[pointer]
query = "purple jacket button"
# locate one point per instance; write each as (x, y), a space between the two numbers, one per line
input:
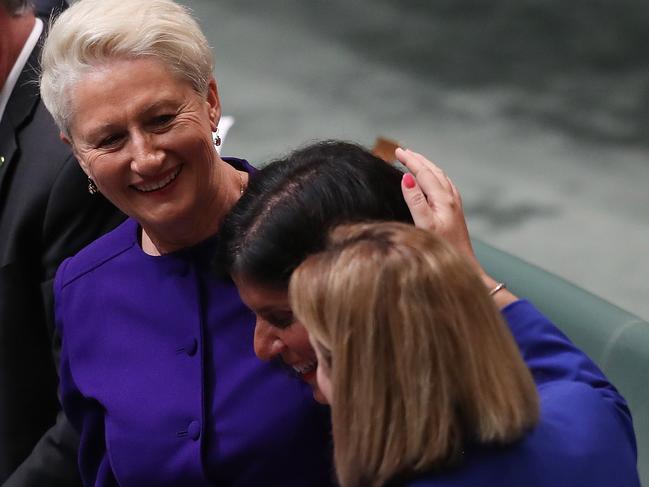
(191, 347)
(194, 430)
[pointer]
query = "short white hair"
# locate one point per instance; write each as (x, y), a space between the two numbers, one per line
(92, 33)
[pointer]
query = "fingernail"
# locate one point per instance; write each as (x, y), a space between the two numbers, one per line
(409, 180)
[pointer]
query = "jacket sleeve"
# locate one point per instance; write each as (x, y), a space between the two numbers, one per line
(53, 460)
(73, 218)
(552, 357)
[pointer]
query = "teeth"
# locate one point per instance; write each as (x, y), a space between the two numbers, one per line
(146, 188)
(306, 368)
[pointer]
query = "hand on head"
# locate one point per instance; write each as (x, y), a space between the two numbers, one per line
(436, 206)
(435, 202)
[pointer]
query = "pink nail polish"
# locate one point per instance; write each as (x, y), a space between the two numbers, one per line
(409, 181)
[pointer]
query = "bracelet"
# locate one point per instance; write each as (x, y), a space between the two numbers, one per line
(499, 286)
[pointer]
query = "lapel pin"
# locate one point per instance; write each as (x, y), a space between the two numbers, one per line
(2, 160)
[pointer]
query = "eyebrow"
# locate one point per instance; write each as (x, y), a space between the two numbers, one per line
(99, 131)
(159, 105)
(271, 309)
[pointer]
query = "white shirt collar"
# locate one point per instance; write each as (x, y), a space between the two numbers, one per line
(23, 57)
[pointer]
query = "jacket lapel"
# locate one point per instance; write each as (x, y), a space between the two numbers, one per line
(20, 110)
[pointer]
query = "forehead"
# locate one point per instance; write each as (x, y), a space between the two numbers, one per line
(123, 88)
(261, 297)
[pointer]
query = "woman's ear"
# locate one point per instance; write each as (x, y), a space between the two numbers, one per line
(68, 141)
(65, 138)
(214, 104)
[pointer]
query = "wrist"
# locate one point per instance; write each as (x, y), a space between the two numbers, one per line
(497, 288)
(497, 291)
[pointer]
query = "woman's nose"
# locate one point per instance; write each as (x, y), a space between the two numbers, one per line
(146, 158)
(268, 345)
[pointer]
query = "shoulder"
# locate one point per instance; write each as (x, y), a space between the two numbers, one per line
(578, 424)
(43, 156)
(578, 441)
(240, 164)
(106, 248)
(579, 404)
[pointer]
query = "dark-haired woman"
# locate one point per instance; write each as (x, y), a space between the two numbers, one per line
(285, 216)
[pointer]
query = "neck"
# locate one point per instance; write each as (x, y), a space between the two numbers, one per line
(14, 32)
(203, 223)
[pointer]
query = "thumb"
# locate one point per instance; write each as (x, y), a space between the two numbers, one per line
(416, 200)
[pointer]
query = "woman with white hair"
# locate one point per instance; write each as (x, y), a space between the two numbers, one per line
(157, 369)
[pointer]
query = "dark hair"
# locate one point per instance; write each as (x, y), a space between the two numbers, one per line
(292, 203)
(16, 7)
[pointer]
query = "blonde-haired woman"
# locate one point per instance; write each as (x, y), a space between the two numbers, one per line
(426, 383)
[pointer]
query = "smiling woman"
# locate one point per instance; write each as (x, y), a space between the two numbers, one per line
(150, 151)
(167, 380)
(275, 337)
(300, 196)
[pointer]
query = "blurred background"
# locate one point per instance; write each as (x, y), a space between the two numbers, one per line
(537, 109)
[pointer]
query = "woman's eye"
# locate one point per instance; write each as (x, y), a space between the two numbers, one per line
(163, 120)
(280, 320)
(110, 141)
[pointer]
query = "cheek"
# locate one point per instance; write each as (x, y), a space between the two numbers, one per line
(296, 338)
(110, 171)
(324, 383)
(199, 154)
(192, 135)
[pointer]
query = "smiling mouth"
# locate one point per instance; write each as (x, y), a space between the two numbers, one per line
(306, 369)
(158, 185)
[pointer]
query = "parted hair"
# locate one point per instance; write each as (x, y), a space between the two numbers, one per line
(292, 202)
(16, 7)
(91, 33)
(422, 364)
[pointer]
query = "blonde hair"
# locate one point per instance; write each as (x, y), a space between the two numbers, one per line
(421, 361)
(94, 32)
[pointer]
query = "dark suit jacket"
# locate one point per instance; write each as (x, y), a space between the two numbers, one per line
(45, 8)
(46, 214)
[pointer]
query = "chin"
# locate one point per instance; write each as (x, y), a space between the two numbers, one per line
(319, 396)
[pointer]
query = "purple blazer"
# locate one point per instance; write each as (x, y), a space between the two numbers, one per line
(159, 376)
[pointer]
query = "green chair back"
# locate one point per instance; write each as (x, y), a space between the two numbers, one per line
(615, 339)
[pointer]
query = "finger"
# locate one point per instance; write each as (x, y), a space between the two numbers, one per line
(432, 179)
(427, 164)
(454, 191)
(435, 192)
(408, 159)
(422, 213)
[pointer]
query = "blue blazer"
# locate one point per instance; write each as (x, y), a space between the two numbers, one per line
(585, 434)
